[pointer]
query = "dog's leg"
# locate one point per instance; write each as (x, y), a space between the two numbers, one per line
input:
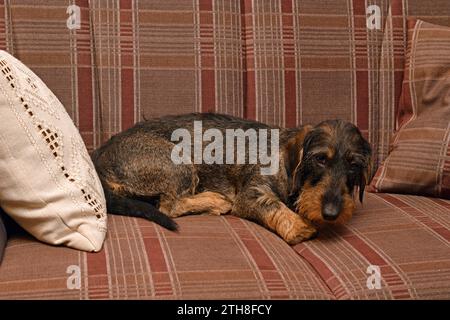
(205, 202)
(288, 225)
(264, 207)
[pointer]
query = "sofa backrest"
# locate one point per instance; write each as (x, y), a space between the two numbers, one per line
(279, 61)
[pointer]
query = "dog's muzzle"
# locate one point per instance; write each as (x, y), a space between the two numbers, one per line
(331, 205)
(330, 212)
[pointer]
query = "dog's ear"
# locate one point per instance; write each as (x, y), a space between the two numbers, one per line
(295, 182)
(294, 148)
(367, 171)
(362, 183)
(294, 153)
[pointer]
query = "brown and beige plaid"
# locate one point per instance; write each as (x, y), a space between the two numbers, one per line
(419, 162)
(284, 62)
(407, 237)
(281, 62)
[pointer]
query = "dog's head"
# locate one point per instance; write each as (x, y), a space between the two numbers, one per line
(333, 163)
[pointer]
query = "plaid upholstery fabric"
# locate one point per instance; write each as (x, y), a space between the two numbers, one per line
(37, 34)
(131, 59)
(407, 237)
(162, 57)
(226, 257)
(276, 61)
(280, 61)
(212, 257)
(393, 60)
(417, 163)
(284, 62)
(307, 62)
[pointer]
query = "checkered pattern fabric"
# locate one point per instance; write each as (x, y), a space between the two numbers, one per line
(419, 161)
(392, 60)
(279, 61)
(211, 258)
(406, 237)
(285, 62)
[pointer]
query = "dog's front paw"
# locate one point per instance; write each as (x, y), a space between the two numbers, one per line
(289, 225)
(300, 232)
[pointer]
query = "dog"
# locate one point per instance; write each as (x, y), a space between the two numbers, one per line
(321, 170)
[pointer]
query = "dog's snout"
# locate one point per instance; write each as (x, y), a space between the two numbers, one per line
(330, 211)
(332, 204)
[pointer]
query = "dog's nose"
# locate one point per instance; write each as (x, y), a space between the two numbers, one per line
(330, 211)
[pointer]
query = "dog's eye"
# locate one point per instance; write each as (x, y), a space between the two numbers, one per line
(321, 159)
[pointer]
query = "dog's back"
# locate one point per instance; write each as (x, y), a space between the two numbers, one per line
(123, 159)
(165, 126)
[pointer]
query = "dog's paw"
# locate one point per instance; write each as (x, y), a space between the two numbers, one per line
(300, 232)
(219, 205)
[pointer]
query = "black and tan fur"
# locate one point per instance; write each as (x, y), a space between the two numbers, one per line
(320, 168)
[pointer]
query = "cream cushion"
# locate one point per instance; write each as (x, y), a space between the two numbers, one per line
(48, 183)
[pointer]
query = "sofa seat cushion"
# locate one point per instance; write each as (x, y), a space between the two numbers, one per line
(407, 237)
(211, 257)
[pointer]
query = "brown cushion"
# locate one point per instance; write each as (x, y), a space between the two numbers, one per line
(211, 257)
(419, 161)
(2, 238)
(407, 237)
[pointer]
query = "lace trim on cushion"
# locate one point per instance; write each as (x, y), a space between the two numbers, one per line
(48, 104)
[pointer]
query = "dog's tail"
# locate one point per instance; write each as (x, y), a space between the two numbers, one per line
(126, 206)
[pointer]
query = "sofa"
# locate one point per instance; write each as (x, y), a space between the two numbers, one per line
(281, 62)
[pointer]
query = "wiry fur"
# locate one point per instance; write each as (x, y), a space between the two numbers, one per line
(141, 180)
